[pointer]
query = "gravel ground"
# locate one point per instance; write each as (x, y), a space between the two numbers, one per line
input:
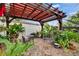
(45, 48)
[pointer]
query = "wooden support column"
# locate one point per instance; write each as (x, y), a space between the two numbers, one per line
(60, 24)
(7, 17)
(7, 23)
(42, 24)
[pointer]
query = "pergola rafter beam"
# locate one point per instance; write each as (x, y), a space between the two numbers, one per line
(34, 10)
(23, 18)
(14, 9)
(42, 16)
(37, 14)
(45, 10)
(49, 19)
(23, 10)
(46, 17)
(52, 11)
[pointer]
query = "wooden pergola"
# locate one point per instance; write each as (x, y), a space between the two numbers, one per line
(40, 12)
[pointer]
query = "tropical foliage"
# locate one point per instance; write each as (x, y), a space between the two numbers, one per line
(63, 38)
(15, 28)
(47, 30)
(14, 31)
(13, 49)
(17, 48)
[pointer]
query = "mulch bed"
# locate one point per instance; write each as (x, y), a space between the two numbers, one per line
(45, 48)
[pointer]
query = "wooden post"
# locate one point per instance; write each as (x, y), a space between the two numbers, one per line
(60, 24)
(7, 23)
(7, 17)
(42, 24)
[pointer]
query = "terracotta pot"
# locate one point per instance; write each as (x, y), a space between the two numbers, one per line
(72, 46)
(14, 37)
(2, 49)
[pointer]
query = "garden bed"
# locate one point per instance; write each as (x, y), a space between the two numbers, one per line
(45, 48)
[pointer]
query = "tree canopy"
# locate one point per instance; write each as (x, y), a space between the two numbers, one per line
(73, 20)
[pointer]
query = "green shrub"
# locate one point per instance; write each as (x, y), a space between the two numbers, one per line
(14, 31)
(47, 30)
(74, 36)
(15, 28)
(63, 38)
(14, 49)
(18, 48)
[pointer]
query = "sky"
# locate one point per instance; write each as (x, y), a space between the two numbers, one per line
(69, 8)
